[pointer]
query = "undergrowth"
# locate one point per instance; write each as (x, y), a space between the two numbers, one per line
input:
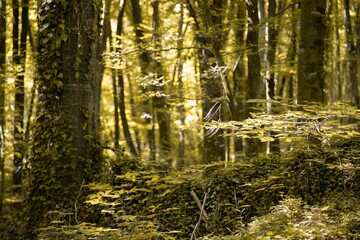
(307, 194)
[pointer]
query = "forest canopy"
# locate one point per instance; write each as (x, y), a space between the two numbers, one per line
(188, 119)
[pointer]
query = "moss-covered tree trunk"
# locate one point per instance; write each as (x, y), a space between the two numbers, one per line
(311, 73)
(65, 151)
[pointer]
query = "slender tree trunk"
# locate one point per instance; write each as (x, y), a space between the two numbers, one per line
(145, 62)
(254, 86)
(2, 99)
(181, 109)
(160, 104)
(338, 57)
(270, 81)
(107, 36)
(19, 101)
(351, 53)
(133, 111)
(213, 141)
(286, 86)
(357, 31)
(272, 43)
(239, 73)
(128, 138)
(311, 73)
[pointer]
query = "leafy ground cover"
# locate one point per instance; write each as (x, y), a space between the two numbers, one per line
(307, 194)
(302, 194)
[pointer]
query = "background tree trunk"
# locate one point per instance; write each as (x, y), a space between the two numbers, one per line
(311, 73)
(145, 60)
(107, 36)
(351, 56)
(160, 104)
(254, 86)
(179, 73)
(19, 101)
(2, 99)
(126, 129)
(213, 142)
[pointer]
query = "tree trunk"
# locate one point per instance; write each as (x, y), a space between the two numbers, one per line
(254, 87)
(2, 99)
(208, 41)
(107, 35)
(239, 73)
(351, 55)
(357, 31)
(179, 73)
(128, 138)
(145, 60)
(65, 150)
(19, 102)
(311, 73)
(160, 104)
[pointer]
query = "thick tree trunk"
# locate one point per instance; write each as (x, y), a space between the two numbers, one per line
(65, 150)
(80, 96)
(311, 73)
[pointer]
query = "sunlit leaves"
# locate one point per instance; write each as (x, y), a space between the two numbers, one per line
(300, 122)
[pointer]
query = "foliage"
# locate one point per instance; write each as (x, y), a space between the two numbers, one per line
(294, 124)
(304, 194)
(294, 219)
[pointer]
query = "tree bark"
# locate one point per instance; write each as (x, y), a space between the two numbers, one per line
(128, 138)
(254, 86)
(145, 60)
(65, 150)
(311, 73)
(208, 41)
(2, 99)
(179, 73)
(351, 55)
(19, 102)
(107, 36)
(160, 104)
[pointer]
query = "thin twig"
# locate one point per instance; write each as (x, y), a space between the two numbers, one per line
(205, 216)
(193, 235)
(76, 200)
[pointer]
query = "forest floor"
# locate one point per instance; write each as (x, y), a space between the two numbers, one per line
(303, 194)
